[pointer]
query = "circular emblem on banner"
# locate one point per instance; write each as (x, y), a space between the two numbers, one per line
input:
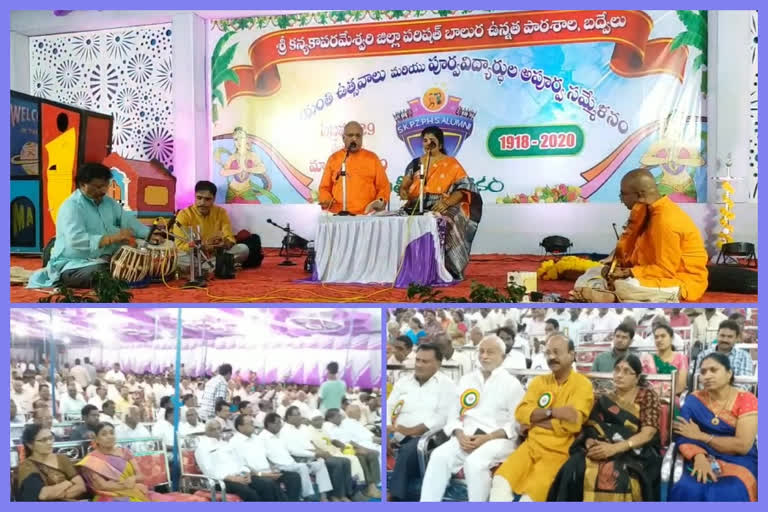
(397, 409)
(469, 399)
(434, 99)
(545, 400)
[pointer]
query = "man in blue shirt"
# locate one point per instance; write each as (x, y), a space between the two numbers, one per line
(90, 228)
(728, 335)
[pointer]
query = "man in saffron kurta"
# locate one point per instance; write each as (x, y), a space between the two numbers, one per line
(367, 183)
(553, 411)
(669, 262)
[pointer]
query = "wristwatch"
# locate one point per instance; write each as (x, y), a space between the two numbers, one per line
(549, 414)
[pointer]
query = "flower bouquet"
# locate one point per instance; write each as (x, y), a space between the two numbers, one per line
(567, 268)
(554, 194)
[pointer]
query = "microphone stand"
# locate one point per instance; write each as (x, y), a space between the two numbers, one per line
(344, 212)
(286, 250)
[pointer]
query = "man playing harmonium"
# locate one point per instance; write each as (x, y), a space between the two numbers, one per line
(90, 228)
(368, 187)
(211, 223)
(660, 256)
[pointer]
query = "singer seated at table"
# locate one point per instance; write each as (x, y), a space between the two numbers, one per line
(367, 183)
(90, 228)
(449, 192)
(213, 223)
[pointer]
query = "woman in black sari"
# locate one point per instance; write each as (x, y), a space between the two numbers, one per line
(617, 456)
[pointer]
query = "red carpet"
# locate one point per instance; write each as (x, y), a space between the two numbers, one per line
(271, 283)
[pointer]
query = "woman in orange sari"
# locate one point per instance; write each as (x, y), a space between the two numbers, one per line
(111, 473)
(449, 192)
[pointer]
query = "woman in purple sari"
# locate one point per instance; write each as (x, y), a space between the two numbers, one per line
(717, 432)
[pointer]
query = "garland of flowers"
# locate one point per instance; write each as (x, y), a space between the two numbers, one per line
(566, 268)
(326, 18)
(726, 216)
(555, 194)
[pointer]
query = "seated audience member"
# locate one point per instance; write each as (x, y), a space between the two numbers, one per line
(163, 429)
(44, 475)
(251, 452)
(265, 407)
(452, 358)
(665, 360)
(403, 353)
(131, 428)
(87, 429)
(219, 460)
(72, 403)
(299, 445)
(481, 427)
(553, 410)
(98, 398)
(419, 403)
(717, 431)
(42, 416)
(224, 415)
(123, 402)
(111, 473)
(514, 353)
(728, 335)
(368, 458)
(192, 424)
(621, 436)
(278, 455)
(108, 414)
(323, 444)
(16, 417)
(623, 336)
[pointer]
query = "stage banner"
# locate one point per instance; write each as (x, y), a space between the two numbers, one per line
(538, 106)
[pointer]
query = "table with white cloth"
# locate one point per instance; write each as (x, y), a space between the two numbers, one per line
(392, 249)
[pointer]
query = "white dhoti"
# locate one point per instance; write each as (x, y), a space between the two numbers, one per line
(626, 290)
(448, 458)
(322, 478)
(358, 475)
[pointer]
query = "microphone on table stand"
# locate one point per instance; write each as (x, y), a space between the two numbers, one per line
(343, 177)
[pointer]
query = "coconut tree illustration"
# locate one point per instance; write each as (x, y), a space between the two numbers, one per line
(694, 36)
(221, 72)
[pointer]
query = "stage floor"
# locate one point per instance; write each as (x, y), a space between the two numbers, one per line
(272, 283)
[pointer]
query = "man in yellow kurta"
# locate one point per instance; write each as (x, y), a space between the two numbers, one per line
(213, 222)
(669, 261)
(367, 183)
(552, 412)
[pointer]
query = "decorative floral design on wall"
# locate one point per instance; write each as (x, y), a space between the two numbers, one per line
(753, 107)
(127, 73)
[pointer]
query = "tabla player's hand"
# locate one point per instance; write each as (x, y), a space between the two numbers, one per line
(157, 238)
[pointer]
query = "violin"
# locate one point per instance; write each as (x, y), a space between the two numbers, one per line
(636, 224)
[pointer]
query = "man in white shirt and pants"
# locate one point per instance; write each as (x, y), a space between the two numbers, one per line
(481, 427)
(250, 449)
(219, 460)
(279, 456)
(131, 428)
(418, 403)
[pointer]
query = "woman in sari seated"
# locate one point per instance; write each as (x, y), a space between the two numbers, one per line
(112, 474)
(666, 360)
(44, 475)
(717, 432)
(617, 456)
(449, 192)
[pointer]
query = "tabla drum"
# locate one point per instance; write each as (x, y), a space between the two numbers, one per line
(162, 259)
(130, 264)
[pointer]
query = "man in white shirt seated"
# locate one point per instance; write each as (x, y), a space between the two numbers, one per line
(279, 456)
(109, 415)
(222, 461)
(418, 403)
(403, 353)
(131, 428)
(163, 429)
(285, 402)
(223, 415)
(301, 402)
(92, 391)
(72, 403)
(22, 397)
(481, 427)
(192, 425)
(300, 446)
(454, 363)
(370, 459)
(16, 418)
(514, 352)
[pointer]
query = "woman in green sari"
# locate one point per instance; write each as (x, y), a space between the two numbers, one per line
(617, 456)
(666, 360)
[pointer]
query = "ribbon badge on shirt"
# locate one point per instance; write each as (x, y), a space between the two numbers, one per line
(397, 409)
(469, 399)
(545, 400)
